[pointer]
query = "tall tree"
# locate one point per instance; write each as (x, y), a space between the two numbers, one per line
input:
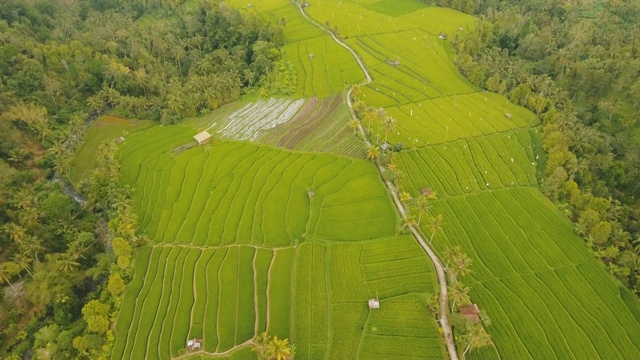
(476, 337)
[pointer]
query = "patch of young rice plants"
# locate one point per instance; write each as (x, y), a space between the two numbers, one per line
(323, 67)
(345, 324)
(196, 199)
(547, 296)
(446, 119)
(470, 165)
(347, 282)
(422, 69)
(146, 261)
(353, 19)
(279, 292)
(213, 294)
(396, 266)
(401, 329)
(303, 300)
(227, 308)
(395, 7)
(251, 122)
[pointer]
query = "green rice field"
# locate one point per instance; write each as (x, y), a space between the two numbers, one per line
(281, 226)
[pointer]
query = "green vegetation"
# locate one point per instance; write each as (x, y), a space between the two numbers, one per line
(304, 241)
(577, 68)
(270, 240)
(323, 67)
(395, 8)
(67, 255)
(104, 129)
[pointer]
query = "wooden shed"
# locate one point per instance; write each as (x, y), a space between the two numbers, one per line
(471, 312)
(203, 137)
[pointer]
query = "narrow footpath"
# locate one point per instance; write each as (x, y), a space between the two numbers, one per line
(442, 277)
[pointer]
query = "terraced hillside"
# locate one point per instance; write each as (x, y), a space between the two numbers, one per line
(546, 294)
(249, 238)
(323, 67)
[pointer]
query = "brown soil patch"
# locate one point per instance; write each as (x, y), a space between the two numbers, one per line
(307, 123)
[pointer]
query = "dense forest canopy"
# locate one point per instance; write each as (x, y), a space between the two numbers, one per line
(576, 64)
(62, 63)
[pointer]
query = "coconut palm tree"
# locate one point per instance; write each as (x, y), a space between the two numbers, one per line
(435, 226)
(389, 125)
(408, 222)
(356, 91)
(405, 197)
(32, 246)
(461, 265)
(7, 271)
(67, 262)
(476, 337)
(353, 124)
(16, 232)
(373, 152)
(23, 262)
(458, 293)
(279, 349)
(421, 205)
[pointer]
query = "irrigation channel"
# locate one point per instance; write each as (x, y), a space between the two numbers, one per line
(442, 277)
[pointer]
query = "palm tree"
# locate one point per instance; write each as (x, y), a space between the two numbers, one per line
(356, 91)
(353, 124)
(7, 271)
(23, 262)
(24, 198)
(405, 197)
(461, 265)
(435, 226)
(408, 221)
(373, 152)
(477, 337)
(279, 349)
(16, 232)
(421, 204)
(389, 125)
(458, 293)
(32, 246)
(67, 262)
(260, 345)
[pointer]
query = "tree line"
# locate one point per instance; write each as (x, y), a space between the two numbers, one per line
(575, 64)
(64, 264)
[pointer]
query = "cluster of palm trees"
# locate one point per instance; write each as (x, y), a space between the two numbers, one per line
(458, 263)
(269, 348)
(379, 116)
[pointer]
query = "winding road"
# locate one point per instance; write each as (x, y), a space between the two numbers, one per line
(442, 277)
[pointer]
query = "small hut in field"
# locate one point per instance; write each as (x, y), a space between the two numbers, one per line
(471, 312)
(374, 304)
(194, 344)
(203, 137)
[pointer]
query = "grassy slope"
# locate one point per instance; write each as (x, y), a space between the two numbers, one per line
(103, 129)
(548, 297)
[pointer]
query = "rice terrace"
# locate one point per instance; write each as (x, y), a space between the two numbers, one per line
(386, 209)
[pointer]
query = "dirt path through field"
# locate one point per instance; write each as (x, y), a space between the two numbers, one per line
(442, 277)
